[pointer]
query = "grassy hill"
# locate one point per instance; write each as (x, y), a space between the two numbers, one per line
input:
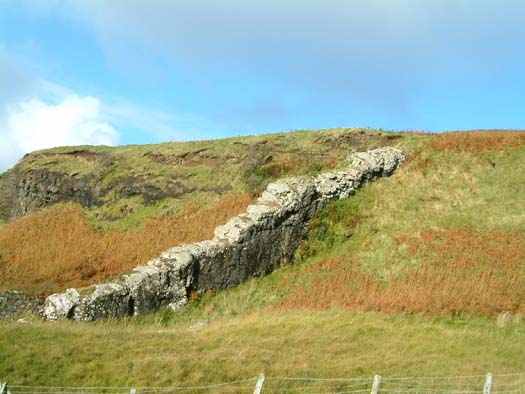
(409, 277)
(79, 215)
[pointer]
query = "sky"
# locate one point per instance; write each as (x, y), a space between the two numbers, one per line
(145, 71)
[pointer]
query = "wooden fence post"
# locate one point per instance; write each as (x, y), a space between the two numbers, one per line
(487, 387)
(133, 390)
(376, 384)
(3, 388)
(258, 385)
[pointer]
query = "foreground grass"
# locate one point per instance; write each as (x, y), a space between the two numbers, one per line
(332, 343)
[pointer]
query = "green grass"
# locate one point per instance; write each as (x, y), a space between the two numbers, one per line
(333, 343)
(471, 198)
(448, 193)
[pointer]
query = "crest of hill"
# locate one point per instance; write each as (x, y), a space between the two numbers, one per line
(137, 181)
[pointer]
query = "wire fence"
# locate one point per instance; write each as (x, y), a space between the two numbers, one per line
(483, 384)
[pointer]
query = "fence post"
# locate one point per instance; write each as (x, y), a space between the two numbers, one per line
(3, 388)
(376, 384)
(258, 385)
(487, 387)
(133, 390)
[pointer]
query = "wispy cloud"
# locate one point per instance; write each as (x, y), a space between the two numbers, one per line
(36, 124)
(37, 114)
(367, 56)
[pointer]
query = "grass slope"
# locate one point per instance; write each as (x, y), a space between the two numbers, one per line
(330, 343)
(407, 277)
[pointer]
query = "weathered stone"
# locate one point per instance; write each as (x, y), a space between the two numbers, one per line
(251, 244)
(236, 229)
(103, 301)
(60, 306)
(335, 185)
(144, 284)
(262, 209)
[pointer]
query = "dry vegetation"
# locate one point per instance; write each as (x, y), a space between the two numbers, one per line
(451, 242)
(58, 247)
(460, 272)
(139, 191)
(479, 141)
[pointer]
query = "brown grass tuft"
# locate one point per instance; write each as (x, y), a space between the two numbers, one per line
(461, 271)
(57, 247)
(478, 141)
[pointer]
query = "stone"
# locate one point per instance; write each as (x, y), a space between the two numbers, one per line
(15, 303)
(60, 306)
(103, 301)
(236, 229)
(504, 319)
(144, 285)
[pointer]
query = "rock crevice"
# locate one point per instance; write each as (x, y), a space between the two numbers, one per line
(251, 244)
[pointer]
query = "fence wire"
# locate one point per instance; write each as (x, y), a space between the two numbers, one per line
(474, 384)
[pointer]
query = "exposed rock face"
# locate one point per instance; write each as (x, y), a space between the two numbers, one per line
(7, 195)
(251, 244)
(60, 306)
(41, 188)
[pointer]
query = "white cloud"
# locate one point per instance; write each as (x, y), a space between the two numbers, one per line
(36, 124)
(38, 114)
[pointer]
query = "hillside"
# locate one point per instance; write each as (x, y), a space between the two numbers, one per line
(88, 213)
(419, 274)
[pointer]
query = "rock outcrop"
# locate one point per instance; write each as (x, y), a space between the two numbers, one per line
(251, 244)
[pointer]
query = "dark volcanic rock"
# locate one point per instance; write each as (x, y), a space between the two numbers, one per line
(40, 188)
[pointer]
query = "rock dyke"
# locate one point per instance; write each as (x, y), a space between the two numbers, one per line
(251, 244)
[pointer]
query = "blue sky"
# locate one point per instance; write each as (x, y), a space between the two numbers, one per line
(124, 71)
